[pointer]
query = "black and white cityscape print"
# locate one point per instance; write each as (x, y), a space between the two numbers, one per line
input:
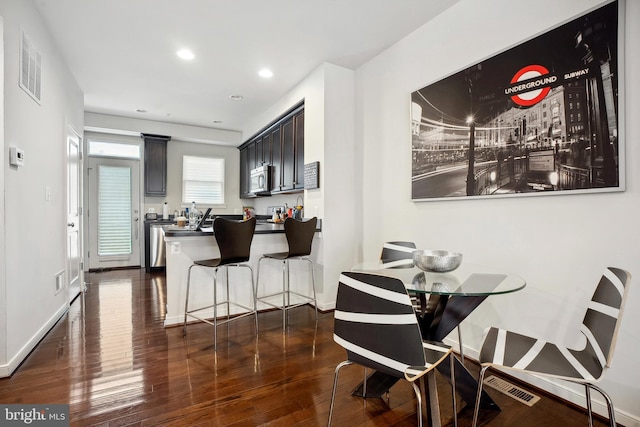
(542, 116)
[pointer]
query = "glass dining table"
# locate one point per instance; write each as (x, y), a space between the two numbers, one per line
(446, 299)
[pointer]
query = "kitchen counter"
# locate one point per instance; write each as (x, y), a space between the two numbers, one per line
(184, 246)
(262, 227)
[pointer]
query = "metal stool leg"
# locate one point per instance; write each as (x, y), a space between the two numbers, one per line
(186, 302)
(313, 286)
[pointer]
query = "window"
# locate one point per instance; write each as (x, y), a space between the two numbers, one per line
(114, 149)
(202, 180)
(114, 210)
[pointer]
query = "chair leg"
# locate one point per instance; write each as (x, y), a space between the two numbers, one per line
(313, 286)
(254, 288)
(607, 398)
(215, 309)
(483, 370)
(335, 385)
(364, 384)
(460, 344)
(587, 394)
(453, 389)
(186, 302)
(285, 293)
(416, 390)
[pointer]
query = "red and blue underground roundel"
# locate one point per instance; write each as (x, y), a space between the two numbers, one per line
(530, 85)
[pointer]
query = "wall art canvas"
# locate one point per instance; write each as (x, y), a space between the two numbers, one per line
(542, 117)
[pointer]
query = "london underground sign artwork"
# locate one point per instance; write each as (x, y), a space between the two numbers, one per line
(551, 99)
(530, 85)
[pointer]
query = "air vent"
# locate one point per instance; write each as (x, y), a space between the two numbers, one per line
(512, 391)
(30, 68)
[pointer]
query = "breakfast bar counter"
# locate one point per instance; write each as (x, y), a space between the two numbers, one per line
(184, 246)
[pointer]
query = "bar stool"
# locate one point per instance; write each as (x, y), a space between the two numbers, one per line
(234, 241)
(299, 238)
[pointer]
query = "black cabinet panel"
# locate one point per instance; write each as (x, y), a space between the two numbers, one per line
(244, 173)
(288, 154)
(276, 160)
(155, 164)
(298, 168)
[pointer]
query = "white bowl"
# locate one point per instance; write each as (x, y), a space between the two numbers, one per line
(437, 261)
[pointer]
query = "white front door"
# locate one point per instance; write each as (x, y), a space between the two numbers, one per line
(114, 213)
(74, 216)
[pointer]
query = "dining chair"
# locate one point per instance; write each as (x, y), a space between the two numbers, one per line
(397, 254)
(234, 242)
(512, 351)
(299, 236)
(376, 325)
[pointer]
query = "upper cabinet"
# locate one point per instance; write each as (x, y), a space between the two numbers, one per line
(281, 145)
(155, 164)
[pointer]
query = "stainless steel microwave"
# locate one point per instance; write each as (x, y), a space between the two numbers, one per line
(260, 180)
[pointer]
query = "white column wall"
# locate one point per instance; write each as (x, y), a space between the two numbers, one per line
(32, 255)
(329, 137)
(559, 244)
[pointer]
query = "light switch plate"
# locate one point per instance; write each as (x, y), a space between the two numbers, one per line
(175, 248)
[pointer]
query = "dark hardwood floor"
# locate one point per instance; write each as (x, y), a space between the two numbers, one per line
(112, 360)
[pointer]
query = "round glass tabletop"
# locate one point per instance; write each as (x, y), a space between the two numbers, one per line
(467, 280)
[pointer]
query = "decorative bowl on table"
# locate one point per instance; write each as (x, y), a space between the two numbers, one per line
(436, 261)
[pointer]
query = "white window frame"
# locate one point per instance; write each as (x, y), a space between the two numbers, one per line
(190, 161)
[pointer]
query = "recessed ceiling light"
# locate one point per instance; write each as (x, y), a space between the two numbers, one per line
(185, 54)
(266, 73)
(236, 97)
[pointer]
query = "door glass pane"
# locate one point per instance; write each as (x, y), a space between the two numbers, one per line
(114, 210)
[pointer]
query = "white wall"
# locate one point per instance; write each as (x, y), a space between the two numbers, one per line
(559, 244)
(329, 137)
(33, 257)
(3, 261)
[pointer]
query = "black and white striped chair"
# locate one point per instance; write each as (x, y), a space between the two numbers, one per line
(509, 350)
(376, 325)
(397, 254)
(400, 255)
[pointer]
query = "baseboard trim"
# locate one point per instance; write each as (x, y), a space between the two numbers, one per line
(8, 369)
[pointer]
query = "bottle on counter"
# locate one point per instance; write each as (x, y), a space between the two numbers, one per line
(165, 211)
(193, 216)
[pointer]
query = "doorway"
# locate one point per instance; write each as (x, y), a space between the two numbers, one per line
(114, 213)
(74, 215)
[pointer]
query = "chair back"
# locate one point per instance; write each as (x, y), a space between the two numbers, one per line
(397, 254)
(300, 235)
(376, 325)
(234, 239)
(604, 313)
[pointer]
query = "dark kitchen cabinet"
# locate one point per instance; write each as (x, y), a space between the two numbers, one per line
(281, 145)
(244, 172)
(288, 155)
(276, 160)
(155, 164)
(298, 166)
(293, 152)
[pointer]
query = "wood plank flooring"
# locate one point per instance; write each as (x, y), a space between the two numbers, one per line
(112, 360)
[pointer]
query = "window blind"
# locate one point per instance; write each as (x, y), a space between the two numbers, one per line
(114, 210)
(202, 180)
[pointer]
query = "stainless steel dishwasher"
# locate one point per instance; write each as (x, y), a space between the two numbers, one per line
(157, 253)
(154, 247)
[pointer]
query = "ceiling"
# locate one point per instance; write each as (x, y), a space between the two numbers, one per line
(123, 52)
